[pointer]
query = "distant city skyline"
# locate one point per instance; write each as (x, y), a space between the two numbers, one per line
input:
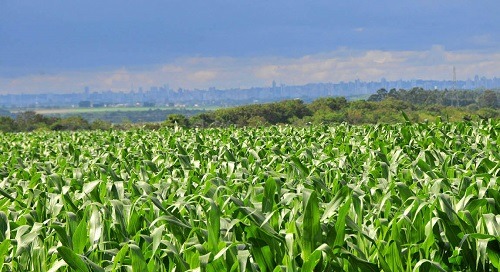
(164, 95)
(54, 46)
(229, 73)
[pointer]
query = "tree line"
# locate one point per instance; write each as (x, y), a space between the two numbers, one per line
(382, 107)
(457, 98)
(31, 121)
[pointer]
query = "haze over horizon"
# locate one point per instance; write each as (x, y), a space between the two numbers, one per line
(59, 46)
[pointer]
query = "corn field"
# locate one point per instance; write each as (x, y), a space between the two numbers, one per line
(405, 197)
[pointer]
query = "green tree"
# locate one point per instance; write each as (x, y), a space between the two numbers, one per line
(257, 121)
(379, 96)
(328, 103)
(329, 117)
(488, 99)
(71, 123)
(99, 124)
(176, 120)
(30, 120)
(201, 120)
(391, 103)
(7, 124)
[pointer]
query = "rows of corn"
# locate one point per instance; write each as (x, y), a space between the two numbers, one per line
(406, 197)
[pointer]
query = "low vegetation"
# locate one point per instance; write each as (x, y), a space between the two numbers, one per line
(383, 107)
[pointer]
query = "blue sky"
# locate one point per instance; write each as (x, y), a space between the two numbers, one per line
(62, 46)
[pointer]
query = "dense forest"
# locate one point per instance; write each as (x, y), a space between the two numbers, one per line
(460, 98)
(416, 105)
(383, 107)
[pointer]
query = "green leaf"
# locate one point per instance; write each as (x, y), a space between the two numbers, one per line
(426, 265)
(95, 225)
(7, 195)
(311, 231)
(120, 256)
(4, 225)
(90, 186)
(157, 234)
(4, 248)
(243, 259)
(72, 259)
(80, 238)
(213, 228)
(393, 258)
(494, 257)
(404, 191)
(300, 166)
(359, 263)
(138, 261)
(340, 224)
(312, 261)
(424, 166)
(63, 236)
(269, 191)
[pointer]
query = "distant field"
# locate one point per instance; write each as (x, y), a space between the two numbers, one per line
(118, 115)
(50, 111)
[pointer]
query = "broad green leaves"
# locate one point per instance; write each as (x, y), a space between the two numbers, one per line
(407, 197)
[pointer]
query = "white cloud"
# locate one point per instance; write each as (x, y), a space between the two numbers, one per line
(171, 69)
(203, 76)
(225, 72)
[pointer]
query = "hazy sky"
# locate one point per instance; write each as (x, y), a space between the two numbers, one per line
(62, 46)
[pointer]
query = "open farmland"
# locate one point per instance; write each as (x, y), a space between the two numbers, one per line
(118, 114)
(406, 197)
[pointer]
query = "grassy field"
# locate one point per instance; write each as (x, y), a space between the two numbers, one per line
(73, 111)
(119, 115)
(405, 197)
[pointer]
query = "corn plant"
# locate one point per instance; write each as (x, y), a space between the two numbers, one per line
(405, 197)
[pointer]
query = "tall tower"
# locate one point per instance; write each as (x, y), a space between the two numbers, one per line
(455, 86)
